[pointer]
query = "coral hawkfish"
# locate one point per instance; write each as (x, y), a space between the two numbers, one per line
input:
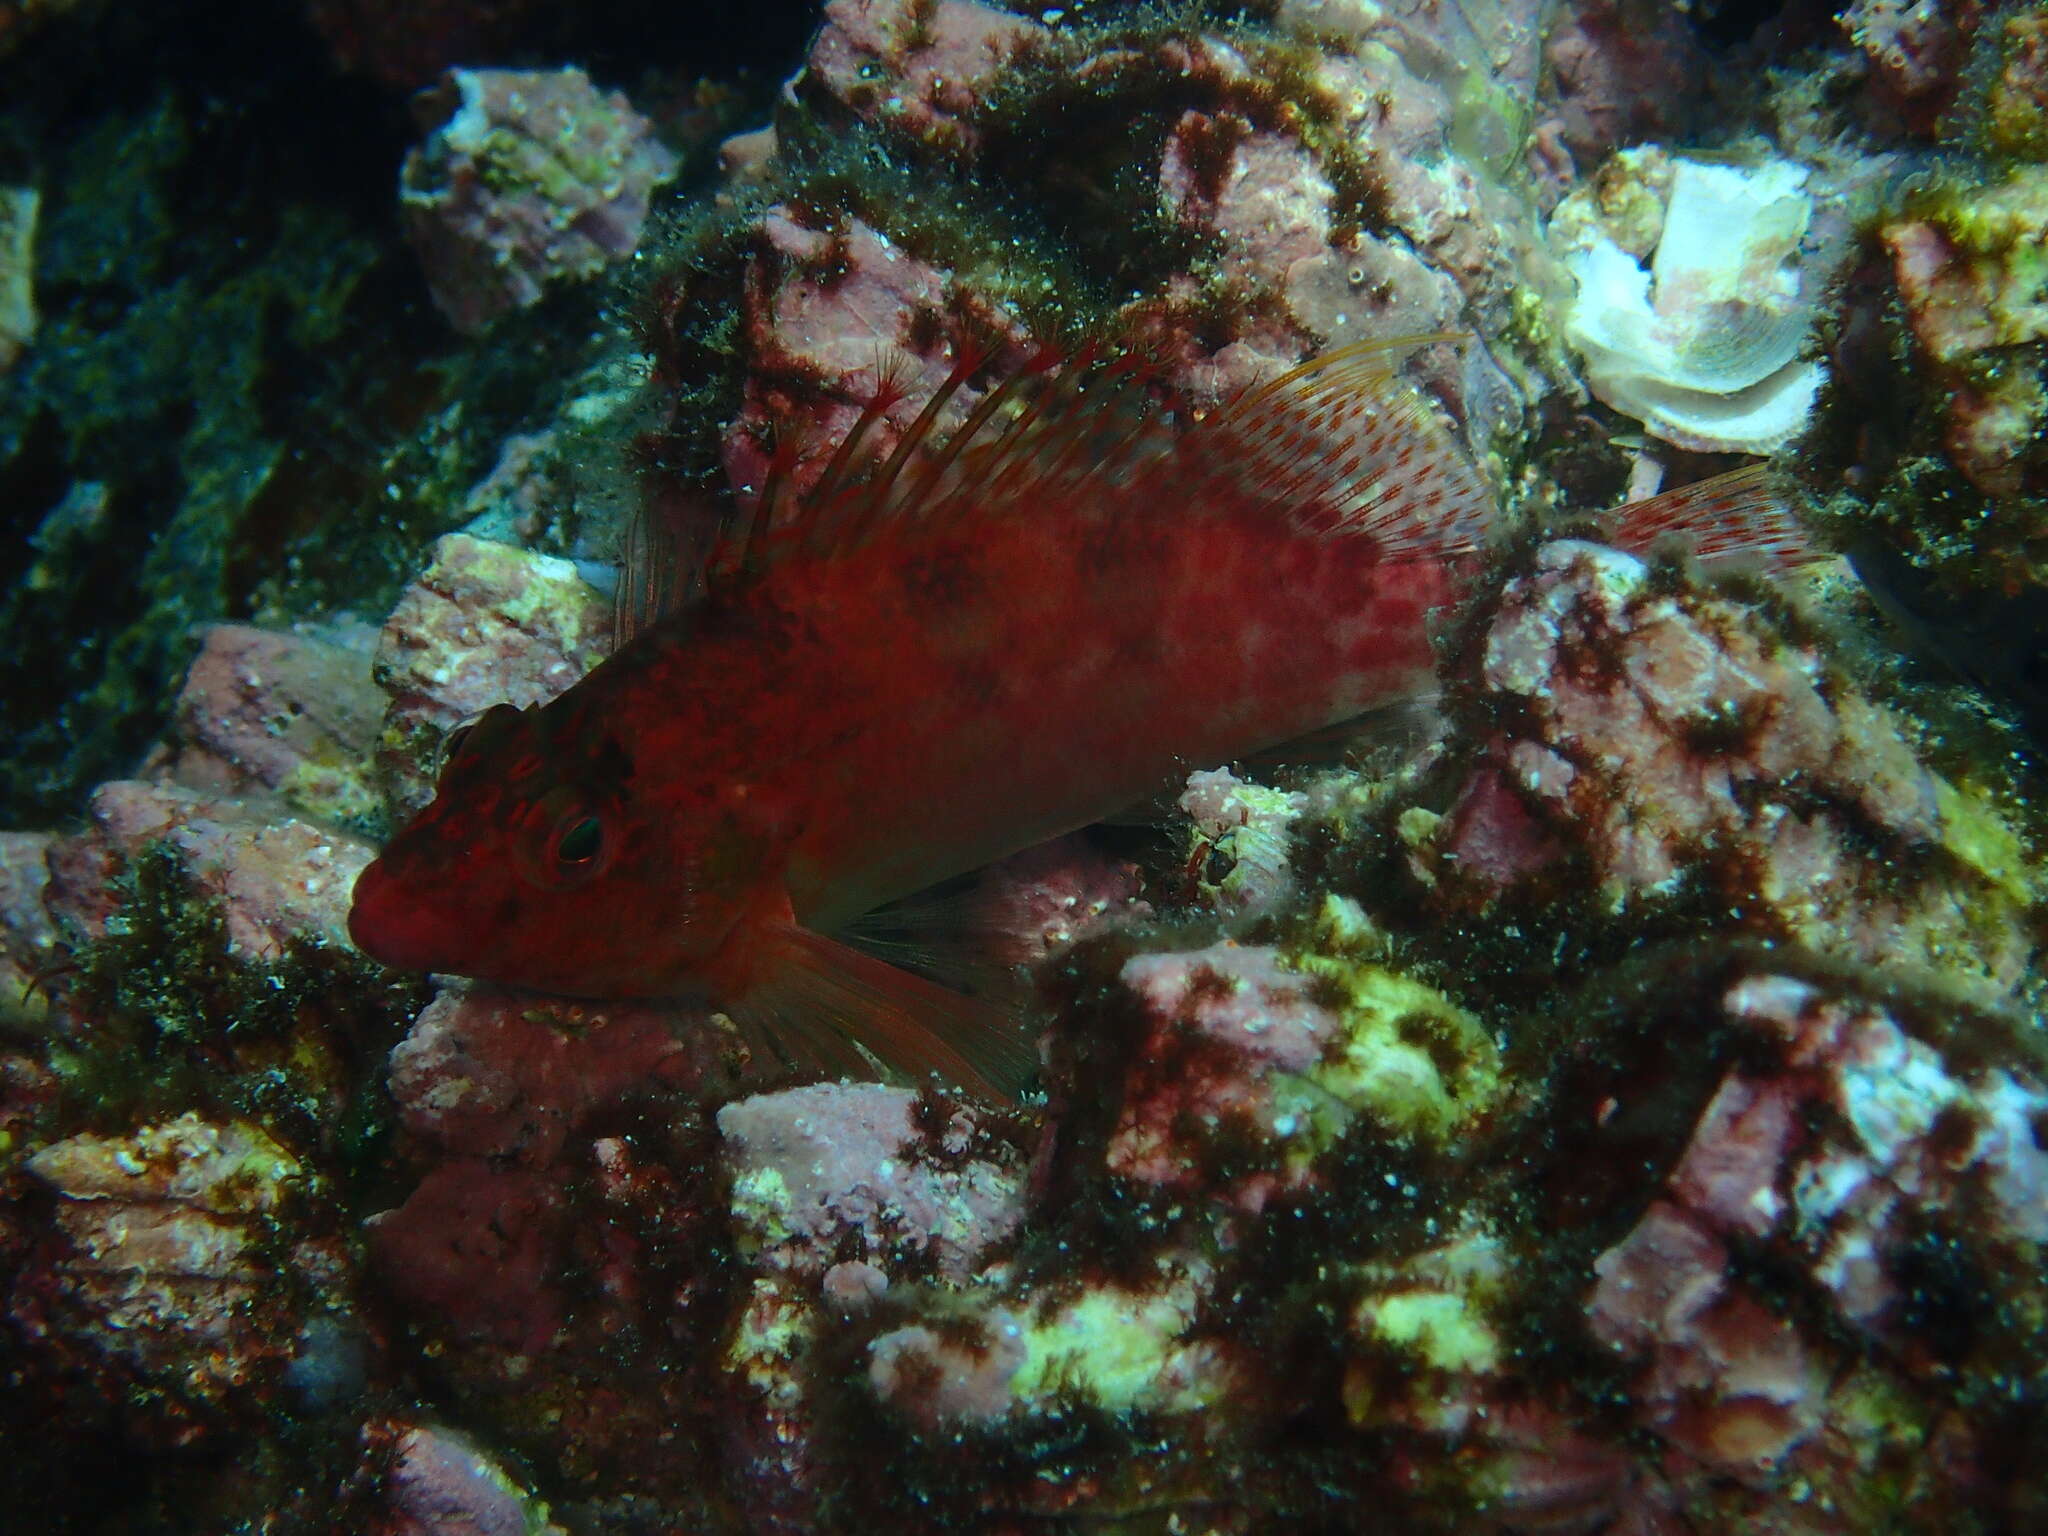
(921, 664)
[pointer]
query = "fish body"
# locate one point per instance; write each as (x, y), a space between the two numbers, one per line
(984, 644)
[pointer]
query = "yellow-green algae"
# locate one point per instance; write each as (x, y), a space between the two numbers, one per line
(1433, 1312)
(1122, 1349)
(1408, 1059)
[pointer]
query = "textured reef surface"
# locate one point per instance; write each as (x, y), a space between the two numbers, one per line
(1608, 1094)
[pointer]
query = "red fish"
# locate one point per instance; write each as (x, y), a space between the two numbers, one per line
(993, 637)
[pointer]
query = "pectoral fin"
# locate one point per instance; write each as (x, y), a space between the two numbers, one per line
(812, 995)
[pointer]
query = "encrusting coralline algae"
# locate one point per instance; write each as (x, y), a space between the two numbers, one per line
(1607, 1097)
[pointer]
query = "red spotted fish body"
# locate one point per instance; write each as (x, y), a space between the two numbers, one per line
(907, 673)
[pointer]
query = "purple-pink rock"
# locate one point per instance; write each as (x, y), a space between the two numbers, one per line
(277, 878)
(846, 1170)
(1621, 74)
(491, 1074)
(923, 65)
(1043, 901)
(529, 177)
(1219, 1024)
(1916, 51)
(1835, 1149)
(1672, 737)
(292, 714)
(441, 1484)
(480, 1251)
(484, 624)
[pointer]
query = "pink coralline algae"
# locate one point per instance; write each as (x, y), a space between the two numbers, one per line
(1336, 213)
(840, 1193)
(1622, 1114)
(1962, 277)
(1043, 901)
(1269, 207)
(1230, 1029)
(442, 1484)
(529, 177)
(1839, 1150)
(1619, 73)
(479, 1251)
(840, 307)
(818, 1169)
(484, 1074)
(279, 878)
(295, 715)
(922, 67)
(1685, 751)
(1916, 51)
(504, 1091)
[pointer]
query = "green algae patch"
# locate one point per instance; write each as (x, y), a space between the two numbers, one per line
(1121, 1350)
(1407, 1058)
(1439, 1328)
(1974, 832)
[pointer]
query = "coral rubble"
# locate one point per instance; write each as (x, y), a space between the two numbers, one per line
(1711, 360)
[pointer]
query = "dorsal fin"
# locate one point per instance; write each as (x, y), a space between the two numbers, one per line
(1338, 447)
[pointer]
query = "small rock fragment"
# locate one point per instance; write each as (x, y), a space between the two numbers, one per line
(529, 177)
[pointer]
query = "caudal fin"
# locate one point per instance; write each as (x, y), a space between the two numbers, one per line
(812, 996)
(1746, 514)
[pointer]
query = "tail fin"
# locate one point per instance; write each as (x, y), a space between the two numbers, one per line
(1743, 515)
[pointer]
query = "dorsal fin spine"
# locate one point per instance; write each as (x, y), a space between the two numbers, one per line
(768, 505)
(1069, 436)
(1745, 513)
(875, 497)
(838, 471)
(933, 472)
(1016, 467)
(1338, 446)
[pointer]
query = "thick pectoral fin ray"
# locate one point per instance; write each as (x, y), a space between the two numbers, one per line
(810, 989)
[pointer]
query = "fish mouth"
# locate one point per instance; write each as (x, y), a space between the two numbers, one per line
(394, 927)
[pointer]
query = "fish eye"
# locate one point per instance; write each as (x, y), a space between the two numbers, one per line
(577, 843)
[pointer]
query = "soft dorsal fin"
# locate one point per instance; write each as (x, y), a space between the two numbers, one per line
(1338, 447)
(1746, 514)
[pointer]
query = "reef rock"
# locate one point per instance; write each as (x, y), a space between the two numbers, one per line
(485, 623)
(278, 878)
(529, 177)
(159, 1278)
(1679, 747)
(289, 713)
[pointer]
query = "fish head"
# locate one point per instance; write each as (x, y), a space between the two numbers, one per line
(543, 862)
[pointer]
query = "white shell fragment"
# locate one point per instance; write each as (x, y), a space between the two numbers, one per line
(1703, 347)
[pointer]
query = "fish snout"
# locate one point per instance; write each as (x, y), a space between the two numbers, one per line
(393, 927)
